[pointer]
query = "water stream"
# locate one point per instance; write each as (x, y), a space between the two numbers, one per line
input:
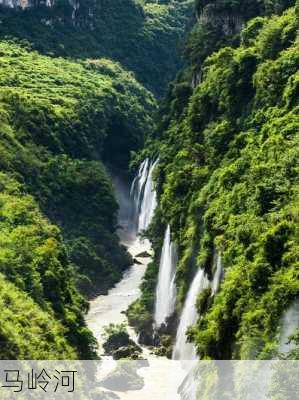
(183, 350)
(288, 326)
(166, 288)
(143, 196)
(162, 379)
(110, 308)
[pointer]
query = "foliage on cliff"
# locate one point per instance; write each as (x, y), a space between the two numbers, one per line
(220, 22)
(143, 36)
(57, 120)
(228, 181)
(41, 311)
(28, 332)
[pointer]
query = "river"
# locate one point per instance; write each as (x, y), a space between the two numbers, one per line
(110, 308)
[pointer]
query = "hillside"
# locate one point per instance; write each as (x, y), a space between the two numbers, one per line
(82, 87)
(227, 179)
(57, 120)
(144, 36)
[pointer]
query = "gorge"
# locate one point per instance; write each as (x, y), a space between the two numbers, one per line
(149, 180)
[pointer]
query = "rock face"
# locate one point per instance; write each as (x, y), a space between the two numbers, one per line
(131, 352)
(119, 345)
(231, 22)
(26, 3)
(14, 3)
(124, 377)
(144, 254)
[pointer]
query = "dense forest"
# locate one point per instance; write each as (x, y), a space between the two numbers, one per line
(227, 178)
(144, 36)
(208, 88)
(56, 123)
(65, 108)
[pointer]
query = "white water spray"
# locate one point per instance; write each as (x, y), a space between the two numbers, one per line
(144, 195)
(289, 325)
(183, 350)
(149, 201)
(166, 288)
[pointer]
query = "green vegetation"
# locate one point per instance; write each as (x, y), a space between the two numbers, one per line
(118, 343)
(220, 23)
(144, 36)
(58, 118)
(42, 312)
(228, 180)
(140, 312)
(28, 332)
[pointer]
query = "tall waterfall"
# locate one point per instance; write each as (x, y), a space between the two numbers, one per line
(149, 201)
(144, 195)
(166, 288)
(182, 349)
(217, 275)
(289, 325)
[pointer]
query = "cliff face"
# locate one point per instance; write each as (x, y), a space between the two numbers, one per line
(70, 7)
(221, 26)
(219, 23)
(25, 3)
(35, 3)
(230, 21)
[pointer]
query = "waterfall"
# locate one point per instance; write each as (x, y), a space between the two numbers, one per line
(144, 195)
(218, 275)
(137, 187)
(182, 349)
(289, 325)
(149, 200)
(189, 386)
(166, 289)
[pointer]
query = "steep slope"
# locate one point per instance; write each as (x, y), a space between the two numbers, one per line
(144, 36)
(58, 118)
(228, 182)
(27, 332)
(42, 312)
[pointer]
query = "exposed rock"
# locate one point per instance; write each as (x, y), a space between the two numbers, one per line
(115, 341)
(230, 22)
(148, 337)
(124, 377)
(103, 395)
(132, 352)
(143, 254)
(118, 344)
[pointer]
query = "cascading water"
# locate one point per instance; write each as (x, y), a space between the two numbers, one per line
(137, 189)
(149, 201)
(289, 325)
(183, 350)
(144, 195)
(166, 288)
(218, 275)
